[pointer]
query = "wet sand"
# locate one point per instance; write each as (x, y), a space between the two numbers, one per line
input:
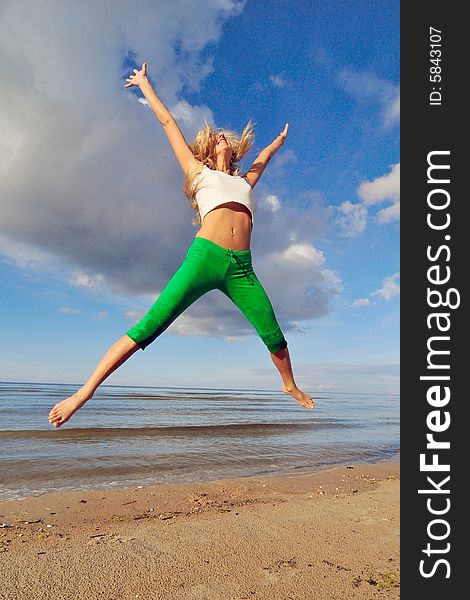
(330, 535)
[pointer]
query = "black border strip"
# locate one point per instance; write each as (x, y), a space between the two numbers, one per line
(432, 237)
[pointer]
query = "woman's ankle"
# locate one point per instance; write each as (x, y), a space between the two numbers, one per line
(84, 394)
(289, 387)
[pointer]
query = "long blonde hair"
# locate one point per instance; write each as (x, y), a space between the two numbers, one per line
(200, 148)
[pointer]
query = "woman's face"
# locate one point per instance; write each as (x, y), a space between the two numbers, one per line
(220, 144)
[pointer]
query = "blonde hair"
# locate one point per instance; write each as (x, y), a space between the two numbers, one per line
(200, 148)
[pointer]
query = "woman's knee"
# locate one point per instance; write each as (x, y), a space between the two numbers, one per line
(274, 340)
(152, 324)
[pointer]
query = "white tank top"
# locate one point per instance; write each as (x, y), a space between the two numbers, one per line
(217, 187)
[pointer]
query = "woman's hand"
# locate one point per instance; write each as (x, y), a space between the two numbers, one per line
(278, 142)
(283, 133)
(138, 78)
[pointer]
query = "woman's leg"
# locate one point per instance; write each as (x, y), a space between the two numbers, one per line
(244, 288)
(192, 279)
(119, 352)
(282, 361)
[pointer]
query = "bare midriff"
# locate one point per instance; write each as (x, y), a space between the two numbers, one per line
(228, 225)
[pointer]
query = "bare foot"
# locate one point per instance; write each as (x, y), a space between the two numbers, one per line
(62, 411)
(302, 397)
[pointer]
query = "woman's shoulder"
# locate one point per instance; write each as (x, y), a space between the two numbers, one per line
(196, 167)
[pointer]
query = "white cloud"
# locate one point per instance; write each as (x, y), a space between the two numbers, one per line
(304, 253)
(81, 279)
(272, 201)
(391, 111)
(103, 190)
(23, 255)
(102, 198)
(386, 187)
(361, 302)
(390, 287)
(366, 87)
(277, 81)
(190, 117)
(389, 214)
(352, 219)
(282, 160)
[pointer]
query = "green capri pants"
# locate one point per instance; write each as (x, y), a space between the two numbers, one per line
(208, 266)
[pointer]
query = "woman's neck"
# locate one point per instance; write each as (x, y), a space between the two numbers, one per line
(222, 164)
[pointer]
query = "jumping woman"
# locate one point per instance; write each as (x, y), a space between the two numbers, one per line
(219, 256)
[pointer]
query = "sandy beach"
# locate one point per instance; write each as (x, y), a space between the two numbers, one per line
(328, 535)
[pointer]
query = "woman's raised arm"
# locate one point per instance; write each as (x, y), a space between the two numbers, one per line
(178, 143)
(259, 164)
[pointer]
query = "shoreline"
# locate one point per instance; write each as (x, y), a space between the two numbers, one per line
(249, 537)
(140, 481)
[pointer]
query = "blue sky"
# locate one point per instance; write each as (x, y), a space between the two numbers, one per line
(94, 222)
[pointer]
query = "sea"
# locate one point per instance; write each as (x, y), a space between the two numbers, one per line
(128, 436)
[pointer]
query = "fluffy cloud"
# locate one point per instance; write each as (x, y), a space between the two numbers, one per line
(101, 199)
(391, 213)
(81, 279)
(366, 87)
(272, 201)
(382, 189)
(103, 191)
(386, 187)
(361, 303)
(390, 287)
(275, 81)
(282, 160)
(391, 111)
(352, 218)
